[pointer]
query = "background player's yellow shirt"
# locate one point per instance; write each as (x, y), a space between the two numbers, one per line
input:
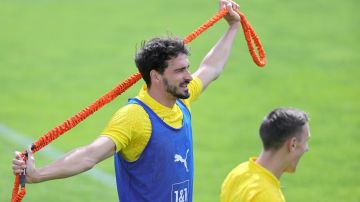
(250, 182)
(130, 127)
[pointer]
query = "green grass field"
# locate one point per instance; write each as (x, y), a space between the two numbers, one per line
(56, 57)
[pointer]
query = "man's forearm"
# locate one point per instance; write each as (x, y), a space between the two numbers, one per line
(71, 164)
(214, 62)
(74, 162)
(219, 54)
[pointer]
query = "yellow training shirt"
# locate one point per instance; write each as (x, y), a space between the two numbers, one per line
(130, 127)
(250, 182)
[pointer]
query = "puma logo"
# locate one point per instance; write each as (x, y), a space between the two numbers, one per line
(179, 158)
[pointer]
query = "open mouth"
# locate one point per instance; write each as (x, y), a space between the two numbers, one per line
(184, 86)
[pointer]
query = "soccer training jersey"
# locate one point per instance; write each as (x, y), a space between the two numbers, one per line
(250, 182)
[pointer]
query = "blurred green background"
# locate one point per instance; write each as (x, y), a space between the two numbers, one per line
(56, 57)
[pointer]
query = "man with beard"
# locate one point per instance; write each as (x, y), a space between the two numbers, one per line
(150, 137)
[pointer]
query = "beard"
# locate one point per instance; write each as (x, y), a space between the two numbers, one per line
(174, 90)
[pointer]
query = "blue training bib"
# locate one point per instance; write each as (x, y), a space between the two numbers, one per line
(164, 171)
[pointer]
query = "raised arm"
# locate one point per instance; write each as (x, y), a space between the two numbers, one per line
(77, 161)
(214, 62)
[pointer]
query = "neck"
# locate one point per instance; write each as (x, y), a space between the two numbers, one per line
(162, 97)
(273, 161)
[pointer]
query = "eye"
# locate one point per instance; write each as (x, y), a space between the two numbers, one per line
(182, 69)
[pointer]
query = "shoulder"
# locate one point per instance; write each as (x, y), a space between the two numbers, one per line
(131, 117)
(195, 89)
(128, 125)
(238, 175)
(131, 112)
(235, 177)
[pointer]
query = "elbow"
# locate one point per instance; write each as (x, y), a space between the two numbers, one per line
(216, 73)
(88, 164)
(86, 160)
(212, 72)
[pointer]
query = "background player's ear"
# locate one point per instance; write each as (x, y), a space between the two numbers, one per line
(292, 144)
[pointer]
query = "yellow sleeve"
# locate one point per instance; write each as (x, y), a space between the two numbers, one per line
(130, 129)
(232, 188)
(269, 196)
(195, 89)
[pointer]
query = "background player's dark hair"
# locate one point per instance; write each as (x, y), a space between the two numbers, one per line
(281, 124)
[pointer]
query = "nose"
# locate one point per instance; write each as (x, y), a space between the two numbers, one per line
(188, 76)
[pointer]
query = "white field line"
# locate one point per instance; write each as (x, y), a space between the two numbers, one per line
(53, 154)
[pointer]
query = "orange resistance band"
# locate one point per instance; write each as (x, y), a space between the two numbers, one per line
(250, 35)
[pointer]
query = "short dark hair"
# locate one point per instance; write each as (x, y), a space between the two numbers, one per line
(154, 54)
(281, 124)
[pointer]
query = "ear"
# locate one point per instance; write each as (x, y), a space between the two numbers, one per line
(154, 76)
(291, 144)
